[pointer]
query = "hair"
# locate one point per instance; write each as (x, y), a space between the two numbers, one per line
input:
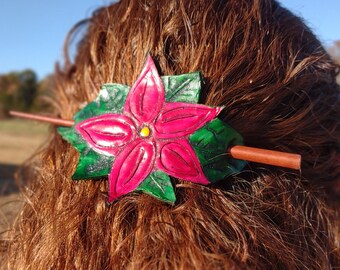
(278, 87)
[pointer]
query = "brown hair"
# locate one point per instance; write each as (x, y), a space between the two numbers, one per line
(278, 88)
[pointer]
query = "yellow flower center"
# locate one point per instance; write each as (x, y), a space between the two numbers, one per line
(145, 132)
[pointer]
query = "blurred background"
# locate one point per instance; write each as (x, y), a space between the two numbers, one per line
(31, 39)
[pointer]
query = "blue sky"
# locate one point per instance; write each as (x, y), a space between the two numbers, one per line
(32, 32)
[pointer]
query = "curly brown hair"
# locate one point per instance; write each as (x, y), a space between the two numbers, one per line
(278, 87)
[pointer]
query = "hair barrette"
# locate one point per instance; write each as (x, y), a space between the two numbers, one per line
(141, 136)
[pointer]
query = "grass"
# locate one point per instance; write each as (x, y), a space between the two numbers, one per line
(24, 127)
(19, 139)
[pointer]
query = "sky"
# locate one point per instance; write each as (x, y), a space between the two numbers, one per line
(32, 32)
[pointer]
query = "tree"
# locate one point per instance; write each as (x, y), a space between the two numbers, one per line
(9, 84)
(28, 89)
(18, 91)
(44, 96)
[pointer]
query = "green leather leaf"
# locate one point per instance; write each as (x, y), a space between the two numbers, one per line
(158, 185)
(210, 144)
(91, 164)
(111, 99)
(182, 88)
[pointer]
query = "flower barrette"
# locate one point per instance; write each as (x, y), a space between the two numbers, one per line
(141, 136)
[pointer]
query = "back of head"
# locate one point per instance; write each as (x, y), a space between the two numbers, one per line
(278, 88)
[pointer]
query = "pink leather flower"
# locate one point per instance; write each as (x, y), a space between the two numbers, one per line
(149, 135)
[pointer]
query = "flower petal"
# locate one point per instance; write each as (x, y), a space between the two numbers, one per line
(131, 167)
(107, 133)
(181, 119)
(179, 160)
(146, 97)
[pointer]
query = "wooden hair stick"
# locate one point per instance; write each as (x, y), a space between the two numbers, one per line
(275, 158)
(41, 118)
(264, 156)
